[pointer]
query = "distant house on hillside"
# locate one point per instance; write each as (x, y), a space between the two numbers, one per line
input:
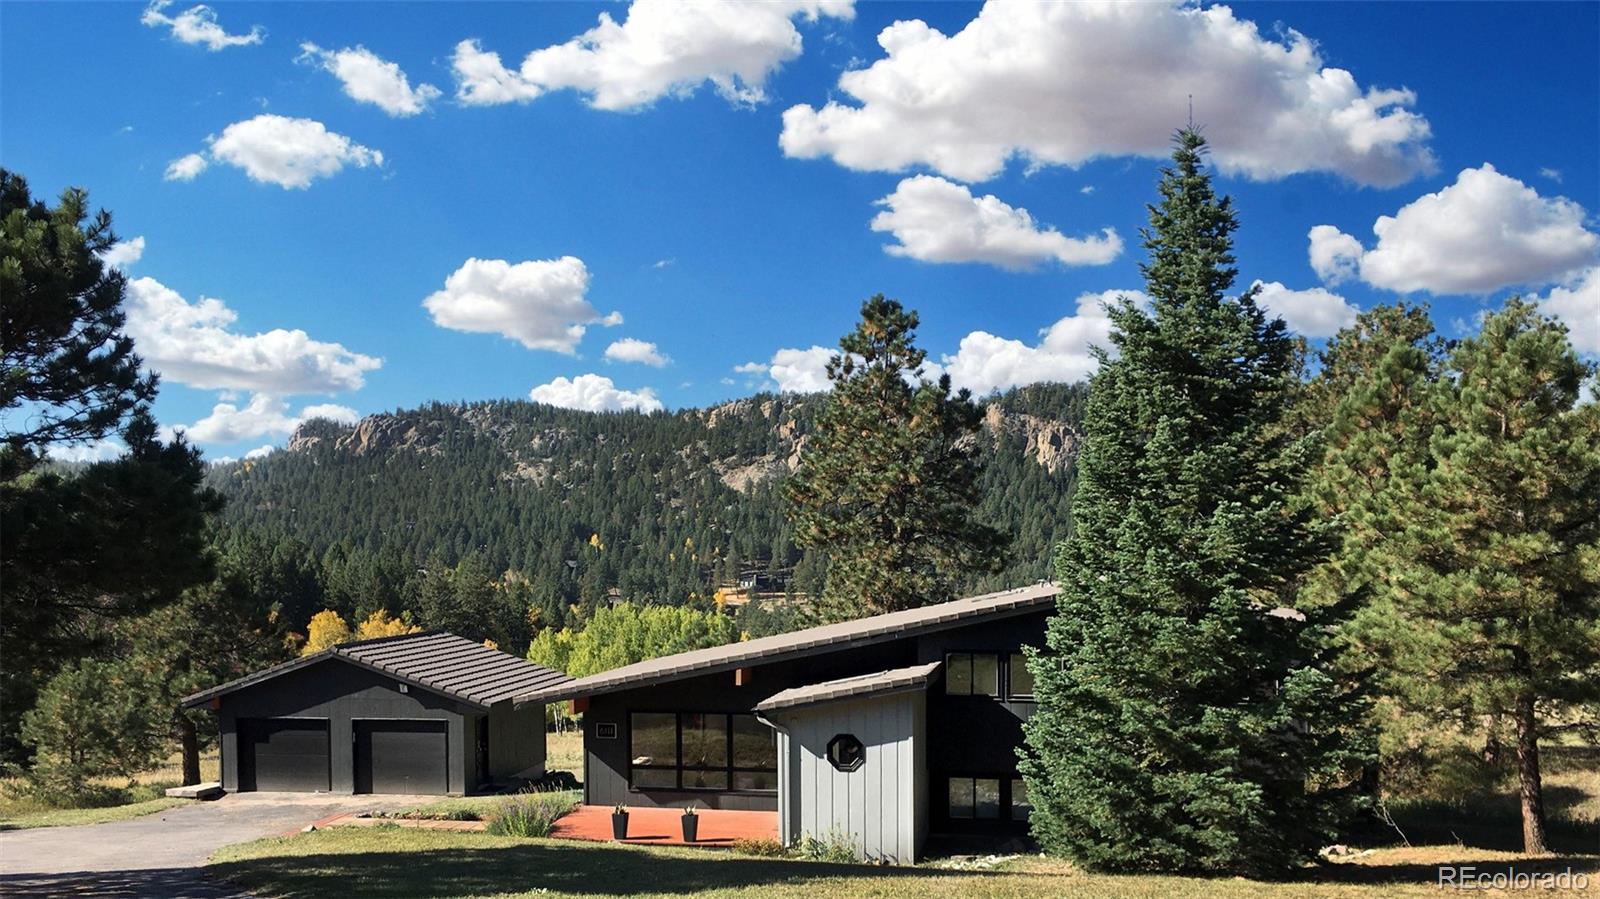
(885, 729)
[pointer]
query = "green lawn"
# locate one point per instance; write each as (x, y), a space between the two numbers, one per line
(65, 817)
(144, 794)
(395, 862)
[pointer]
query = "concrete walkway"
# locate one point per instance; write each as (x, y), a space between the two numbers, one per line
(161, 854)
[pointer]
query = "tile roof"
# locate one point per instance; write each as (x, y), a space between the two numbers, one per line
(435, 660)
(878, 683)
(811, 641)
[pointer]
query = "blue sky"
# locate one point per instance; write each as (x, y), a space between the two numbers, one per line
(709, 192)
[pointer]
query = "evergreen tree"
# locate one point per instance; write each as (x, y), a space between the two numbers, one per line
(1491, 607)
(213, 633)
(64, 355)
(889, 477)
(1186, 719)
(1371, 401)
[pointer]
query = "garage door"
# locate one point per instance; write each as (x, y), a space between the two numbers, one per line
(401, 757)
(289, 754)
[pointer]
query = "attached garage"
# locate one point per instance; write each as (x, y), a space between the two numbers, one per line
(283, 754)
(426, 713)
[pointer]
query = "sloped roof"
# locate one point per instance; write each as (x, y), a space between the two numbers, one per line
(434, 660)
(860, 686)
(811, 641)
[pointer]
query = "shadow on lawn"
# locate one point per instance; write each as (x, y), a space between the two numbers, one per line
(1428, 873)
(169, 883)
(586, 870)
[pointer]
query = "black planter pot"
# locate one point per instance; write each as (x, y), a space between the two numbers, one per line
(619, 825)
(691, 827)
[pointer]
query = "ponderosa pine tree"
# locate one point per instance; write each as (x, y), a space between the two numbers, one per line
(1186, 720)
(1371, 398)
(888, 479)
(1491, 606)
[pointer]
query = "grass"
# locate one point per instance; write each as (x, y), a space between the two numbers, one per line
(67, 817)
(564, 752)
(1571, 780)
(393, 862)
(116, 800)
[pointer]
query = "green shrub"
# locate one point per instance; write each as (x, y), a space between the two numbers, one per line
(764, 848)
(835, 846)
(532, 813)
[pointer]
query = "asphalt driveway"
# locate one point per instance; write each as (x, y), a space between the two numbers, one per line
(160, 854)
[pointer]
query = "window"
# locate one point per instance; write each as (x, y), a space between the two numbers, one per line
(1021, 808)
(755, 755)
(1019, 680)
(972, 674)
(846, 753)
(705, 751)
(975, 797)
(655, 749)
(702, 751)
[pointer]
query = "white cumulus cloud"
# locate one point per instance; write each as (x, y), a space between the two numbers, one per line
(261, 452)
(940, 221)
(124, 253)
(195, 344)
(265, 415)
(102, 450)
(629, 349)
(1577, 304)
(186, 168)
(198, 25)
(369, 78)
(594, 393)
(1064, 83)
(985, 362)
(275, 149)
(1314, 313)
(1485, 232)
(661, 48)
(794, 370)
(539, 303)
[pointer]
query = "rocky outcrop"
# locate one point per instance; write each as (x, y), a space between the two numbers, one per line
(1053, 444)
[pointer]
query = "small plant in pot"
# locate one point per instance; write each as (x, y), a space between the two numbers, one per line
(691, 824)
(619, 822)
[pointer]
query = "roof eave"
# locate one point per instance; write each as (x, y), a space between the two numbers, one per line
(577, 690)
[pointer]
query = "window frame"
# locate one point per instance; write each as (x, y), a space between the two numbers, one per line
(971, 654)
(1005, 796)
(728, 769)
(1010, 694)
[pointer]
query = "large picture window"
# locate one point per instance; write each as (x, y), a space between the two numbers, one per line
(701, 751)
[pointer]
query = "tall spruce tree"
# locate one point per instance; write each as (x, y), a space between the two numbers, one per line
(888, 479)
(1489, 608)
(1187, 720)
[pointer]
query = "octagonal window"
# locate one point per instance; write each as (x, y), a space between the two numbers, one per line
(846, 753)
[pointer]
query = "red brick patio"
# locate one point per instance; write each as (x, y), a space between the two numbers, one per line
(662, 826)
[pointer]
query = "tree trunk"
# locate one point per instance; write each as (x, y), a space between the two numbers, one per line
(189, 739)
(1532, 790)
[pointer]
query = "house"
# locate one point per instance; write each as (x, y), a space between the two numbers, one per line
(420, 713)
(880, 730)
